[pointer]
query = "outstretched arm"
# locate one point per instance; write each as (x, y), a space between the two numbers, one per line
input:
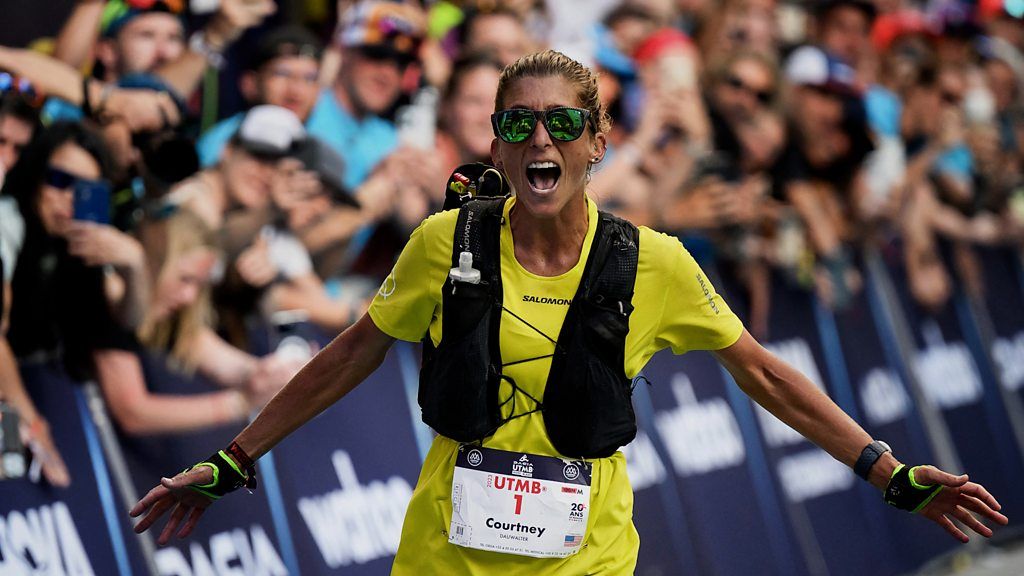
(330, 375)
(334, 372)
(795, 400)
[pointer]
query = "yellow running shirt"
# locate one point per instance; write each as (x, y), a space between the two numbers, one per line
(674, 306)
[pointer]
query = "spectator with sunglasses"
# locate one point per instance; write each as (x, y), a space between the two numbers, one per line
(56, 301)
(741, 105)
(821, 171)
(60, 310)
(379, 42)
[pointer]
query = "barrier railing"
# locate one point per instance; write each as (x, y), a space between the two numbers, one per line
(721, 487)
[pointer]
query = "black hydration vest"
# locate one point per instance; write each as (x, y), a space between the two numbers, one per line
(587, 404)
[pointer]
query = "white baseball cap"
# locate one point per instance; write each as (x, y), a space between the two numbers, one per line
(270, 131)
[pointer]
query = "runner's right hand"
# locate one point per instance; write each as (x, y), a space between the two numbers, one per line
(174, 494)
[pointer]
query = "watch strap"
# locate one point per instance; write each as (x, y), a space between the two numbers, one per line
(871, 453)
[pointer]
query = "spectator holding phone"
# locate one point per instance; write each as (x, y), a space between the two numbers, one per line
(242, 178)
(56, 301)
(270, 269)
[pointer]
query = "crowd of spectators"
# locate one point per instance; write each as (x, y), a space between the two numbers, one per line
(175, 182)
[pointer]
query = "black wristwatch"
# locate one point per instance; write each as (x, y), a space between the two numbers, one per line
(871, 453)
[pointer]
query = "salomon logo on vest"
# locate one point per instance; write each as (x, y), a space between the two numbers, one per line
(545, 300)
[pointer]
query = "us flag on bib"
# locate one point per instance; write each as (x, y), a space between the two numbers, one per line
(573, 540)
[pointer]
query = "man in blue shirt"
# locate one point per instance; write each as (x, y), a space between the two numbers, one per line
(283, 72)
(379, 40)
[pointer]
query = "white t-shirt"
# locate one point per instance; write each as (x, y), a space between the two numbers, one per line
(12, 235)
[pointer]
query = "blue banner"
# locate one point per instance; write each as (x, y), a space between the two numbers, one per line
(726, 501)
(883, 405)
(77, 530)
(814, 489)
(1001, 277)
(952, 374)
(347, 477)
(238, 535)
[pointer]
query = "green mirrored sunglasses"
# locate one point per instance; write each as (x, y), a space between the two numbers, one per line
(563, 124)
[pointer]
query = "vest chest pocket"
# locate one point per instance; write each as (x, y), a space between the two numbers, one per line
(458, 387)
(605, 327)
(588, 412)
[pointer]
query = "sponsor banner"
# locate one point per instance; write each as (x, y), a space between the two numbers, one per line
(951, 373)
(238, 535)
(347, 477)
(1001, 277)
(658, 515)
(724, 507)
(814, 489)
(884, 406)
(46, 530)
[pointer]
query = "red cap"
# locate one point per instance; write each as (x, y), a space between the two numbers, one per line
(659, 43)
(890, 27)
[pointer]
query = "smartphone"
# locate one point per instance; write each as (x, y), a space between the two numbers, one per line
(92, 201)
(678, 72)
(204, 6)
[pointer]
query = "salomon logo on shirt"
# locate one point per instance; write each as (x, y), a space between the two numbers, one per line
(545, 300)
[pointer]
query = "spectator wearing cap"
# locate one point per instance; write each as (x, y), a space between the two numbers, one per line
(271, 269)
(820, 172)
(379, 41)
(283, 72)
(241, 179)
(135, 40)
(148, 36)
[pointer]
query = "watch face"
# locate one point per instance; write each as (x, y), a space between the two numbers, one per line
(884, 446)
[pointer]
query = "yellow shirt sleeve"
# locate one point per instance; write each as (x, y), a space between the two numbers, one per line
(408, 303)
(693, 316)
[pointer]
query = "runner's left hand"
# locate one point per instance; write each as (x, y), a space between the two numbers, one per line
(960, 500)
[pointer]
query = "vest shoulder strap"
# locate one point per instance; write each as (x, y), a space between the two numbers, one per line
(478, 231)
(614, 260)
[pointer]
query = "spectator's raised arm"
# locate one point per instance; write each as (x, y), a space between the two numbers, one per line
(77, 38)
(207, 47)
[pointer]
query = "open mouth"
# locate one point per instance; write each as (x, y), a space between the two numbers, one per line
(543, 176)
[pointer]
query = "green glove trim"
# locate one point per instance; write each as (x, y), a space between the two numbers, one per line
(905, 493)
(227, 476)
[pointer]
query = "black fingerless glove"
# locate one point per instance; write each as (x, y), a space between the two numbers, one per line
(227, 476)
(905, 493)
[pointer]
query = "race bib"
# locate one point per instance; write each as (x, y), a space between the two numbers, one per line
(519, 503)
